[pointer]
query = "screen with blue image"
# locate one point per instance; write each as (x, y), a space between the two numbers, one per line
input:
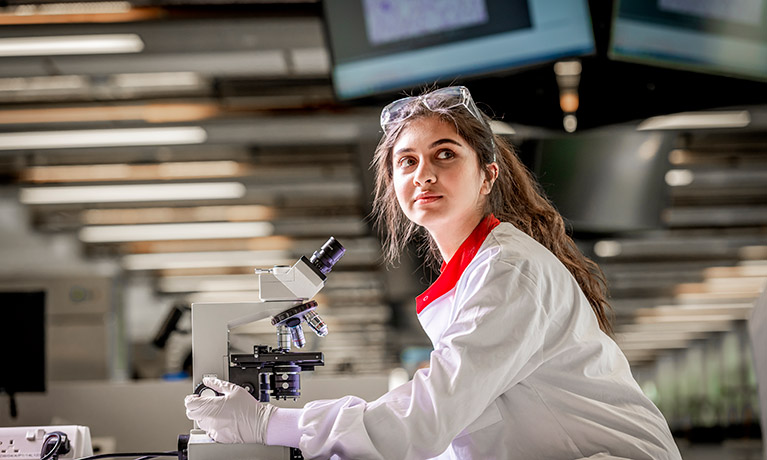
(382, 46)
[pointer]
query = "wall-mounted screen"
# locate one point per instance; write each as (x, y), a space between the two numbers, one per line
(606, 181)
(725, 37)
(379, 46)
(22, 342)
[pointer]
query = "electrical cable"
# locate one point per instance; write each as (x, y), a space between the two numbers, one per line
(138, 455)
(53, 453)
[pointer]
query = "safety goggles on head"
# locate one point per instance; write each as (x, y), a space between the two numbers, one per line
(443, 98)
(439, 99)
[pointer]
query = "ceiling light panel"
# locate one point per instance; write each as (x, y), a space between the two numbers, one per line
(69, 8)
(213, 259)
(71, 45)
(150, 113)
(217, 244)
(43, 84)
(208, 283)
(694, 319)
(310, 61)
(102, 138)
(177, 214)
(654, 345)
(248, 47)
(698, 120)
(118, 86)
(126, 172)
(76, 12)
(223, 296)
(160, 232)
(128, 193)
(158, 80)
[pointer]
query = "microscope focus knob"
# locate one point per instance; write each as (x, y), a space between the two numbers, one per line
(203, 390)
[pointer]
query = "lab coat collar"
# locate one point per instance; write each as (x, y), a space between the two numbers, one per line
(452, 271)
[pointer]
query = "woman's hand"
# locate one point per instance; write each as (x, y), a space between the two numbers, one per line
(235, 417)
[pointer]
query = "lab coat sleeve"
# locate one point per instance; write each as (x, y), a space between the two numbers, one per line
(492, 341)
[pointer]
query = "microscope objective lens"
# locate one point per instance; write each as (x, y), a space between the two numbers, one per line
(316, 323)
(298, 336)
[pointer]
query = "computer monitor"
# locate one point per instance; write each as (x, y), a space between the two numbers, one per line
(22, 342)
(604, 181)
(382, 46)
(722, 37)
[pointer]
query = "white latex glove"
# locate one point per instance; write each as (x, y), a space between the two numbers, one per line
(235, 417)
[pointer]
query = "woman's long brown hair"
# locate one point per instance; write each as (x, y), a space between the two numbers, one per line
(515, 198)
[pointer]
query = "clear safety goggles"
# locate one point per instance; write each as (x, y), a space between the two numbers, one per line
(443, 98)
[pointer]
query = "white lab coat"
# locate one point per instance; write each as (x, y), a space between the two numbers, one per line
(520, 370)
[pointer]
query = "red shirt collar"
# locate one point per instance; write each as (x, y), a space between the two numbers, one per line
(452, 271)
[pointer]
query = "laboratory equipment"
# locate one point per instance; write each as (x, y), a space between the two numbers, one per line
(24, 314)
(285, 293)
(26, 442)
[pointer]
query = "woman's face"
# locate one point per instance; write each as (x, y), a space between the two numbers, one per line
(436, 176)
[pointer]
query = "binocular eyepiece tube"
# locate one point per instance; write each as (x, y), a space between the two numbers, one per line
(327, 255)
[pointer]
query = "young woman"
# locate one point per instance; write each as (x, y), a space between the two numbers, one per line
(523, 364)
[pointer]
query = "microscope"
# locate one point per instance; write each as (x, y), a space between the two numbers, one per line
(285, 293)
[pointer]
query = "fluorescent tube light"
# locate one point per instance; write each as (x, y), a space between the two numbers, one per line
(127, 172)
(77, 12)
(188, 231)
(71, 44)
(102, 138)
(212, 259)
(127, 193)
(208, 283)
(607, 248)
(310, 61)
(158, 79)
(698, 120)
(679, 177)
(678, 310)
(743, 270)
(651, 336)
(226, 296)
(679, 327)
(684, 319)
(49, 83)
(73, 8)
(163, 215)
(668, 344)
(150, 113)
(500, 127)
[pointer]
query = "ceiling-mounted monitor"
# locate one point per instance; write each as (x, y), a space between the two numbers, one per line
(606, 181)
(726, 37)
(382, 46)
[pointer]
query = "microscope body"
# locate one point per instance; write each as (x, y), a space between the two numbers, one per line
(284, 293)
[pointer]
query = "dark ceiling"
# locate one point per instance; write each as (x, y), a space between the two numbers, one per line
(610, 91)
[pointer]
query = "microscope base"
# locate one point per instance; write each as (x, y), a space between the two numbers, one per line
(201, 447)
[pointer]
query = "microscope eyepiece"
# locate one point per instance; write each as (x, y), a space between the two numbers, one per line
(327, 256)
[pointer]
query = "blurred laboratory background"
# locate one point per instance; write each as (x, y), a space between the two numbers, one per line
(153, 153)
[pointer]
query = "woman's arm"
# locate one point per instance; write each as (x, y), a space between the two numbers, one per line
(492, 341)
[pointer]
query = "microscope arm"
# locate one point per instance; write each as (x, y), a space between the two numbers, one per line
(211, 323)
